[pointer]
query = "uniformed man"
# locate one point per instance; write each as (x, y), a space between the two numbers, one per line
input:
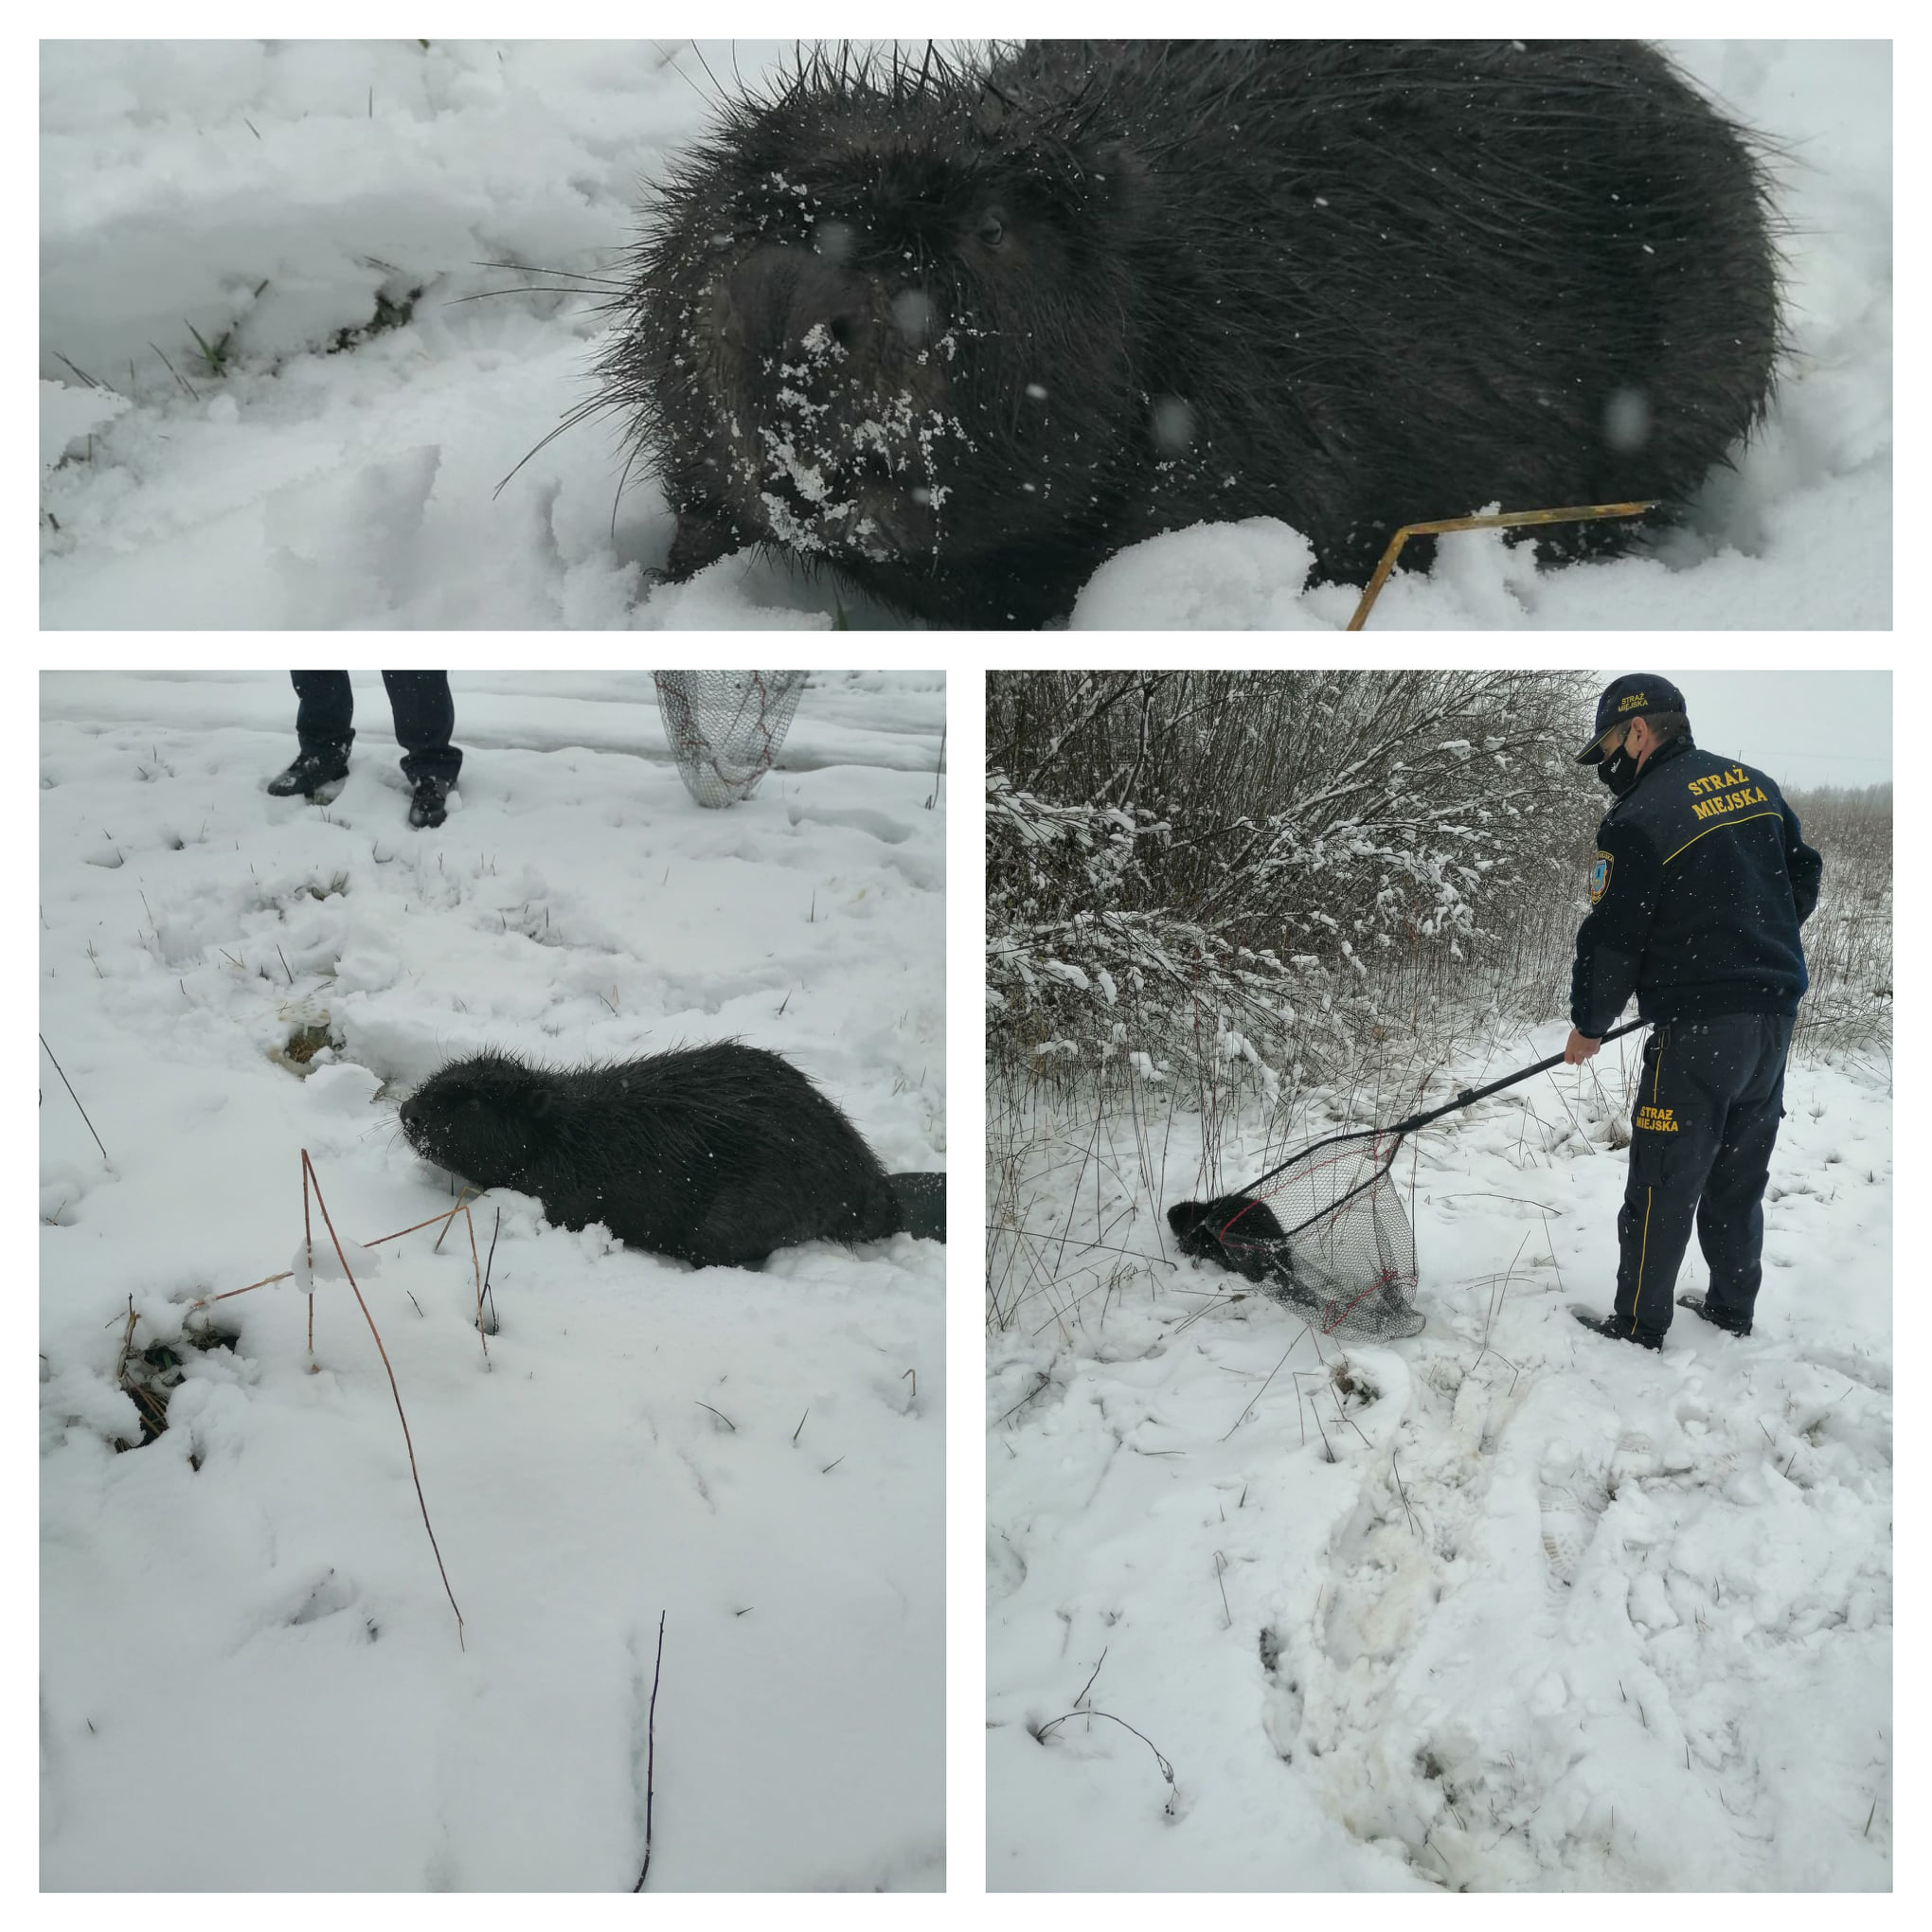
(1700, 883)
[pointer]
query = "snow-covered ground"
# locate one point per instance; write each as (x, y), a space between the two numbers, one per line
(213, 215)
(1506, 1606)
(250, 1674)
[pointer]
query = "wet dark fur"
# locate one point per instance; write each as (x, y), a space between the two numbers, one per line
(1239, 1233)
(717, 1155)
(960, 332)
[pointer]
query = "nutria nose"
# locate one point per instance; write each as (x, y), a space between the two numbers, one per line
(793, 304)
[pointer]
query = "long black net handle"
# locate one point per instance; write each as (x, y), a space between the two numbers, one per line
(1467, 1097)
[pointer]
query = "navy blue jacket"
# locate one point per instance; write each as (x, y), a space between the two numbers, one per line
(1700, 885)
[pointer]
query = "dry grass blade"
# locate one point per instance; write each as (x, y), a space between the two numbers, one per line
(1166, 1770)
(651, 1755)
(1263, 1391)
(1043, 1378)
(1089, 1684)
(1399, 1491)
(72, 1095)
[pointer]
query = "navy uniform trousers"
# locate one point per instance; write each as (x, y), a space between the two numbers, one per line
(420, 703)
(1701, 1136)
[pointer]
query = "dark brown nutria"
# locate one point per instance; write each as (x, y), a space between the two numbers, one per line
(716, 1155)
(959, 330)
(1239, 1233)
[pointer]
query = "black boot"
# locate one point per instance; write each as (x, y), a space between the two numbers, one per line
(427, 801)
(316, 768)
(1717, 1317)
(1617, 1330)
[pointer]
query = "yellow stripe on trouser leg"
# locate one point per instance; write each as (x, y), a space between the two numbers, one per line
(1636, 1297)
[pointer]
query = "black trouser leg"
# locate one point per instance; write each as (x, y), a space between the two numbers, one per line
(425, 715)
(1685, 1144)
(324, 706)
(1672, 1142)
(1730, 1217)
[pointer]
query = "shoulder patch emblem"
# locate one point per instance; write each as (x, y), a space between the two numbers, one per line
(1599, 877)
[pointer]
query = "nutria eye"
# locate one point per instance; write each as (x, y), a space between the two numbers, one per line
(992, 228)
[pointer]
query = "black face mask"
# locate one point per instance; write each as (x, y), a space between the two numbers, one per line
(1619, 771)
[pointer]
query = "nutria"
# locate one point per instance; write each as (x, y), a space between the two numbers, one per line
(961, 329)
(1237, 1231)
(716, 1155)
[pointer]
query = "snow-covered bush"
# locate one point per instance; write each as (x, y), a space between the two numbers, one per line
(1848, 941)
(1272, 867)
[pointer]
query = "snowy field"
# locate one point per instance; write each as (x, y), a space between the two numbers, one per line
(215, 215)
(250, 1674)
(1507, 1606)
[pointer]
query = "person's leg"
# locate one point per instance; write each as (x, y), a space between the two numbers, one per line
(1730, 1217)
(1676, 1129)
(425, 715)
(324, 706)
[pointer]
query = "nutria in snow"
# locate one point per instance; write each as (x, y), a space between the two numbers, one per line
(717, 1155)
(961, 329)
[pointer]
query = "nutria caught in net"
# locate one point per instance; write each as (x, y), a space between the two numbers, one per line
(1239, 1233)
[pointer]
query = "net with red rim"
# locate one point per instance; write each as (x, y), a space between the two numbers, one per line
(725, 728)
(1325, 1230)
(1327, 1235)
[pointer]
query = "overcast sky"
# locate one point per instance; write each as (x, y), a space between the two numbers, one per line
(1804, 728)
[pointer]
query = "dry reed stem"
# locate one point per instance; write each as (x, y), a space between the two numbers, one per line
(415, 1227)
(462, 1201)
(461, 1207)
(309, 1255)
(310, 1178)
(269, 1281)
(227, 1294)
(476, 1263)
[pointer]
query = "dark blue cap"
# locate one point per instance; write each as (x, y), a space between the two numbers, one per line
(1630, 697)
